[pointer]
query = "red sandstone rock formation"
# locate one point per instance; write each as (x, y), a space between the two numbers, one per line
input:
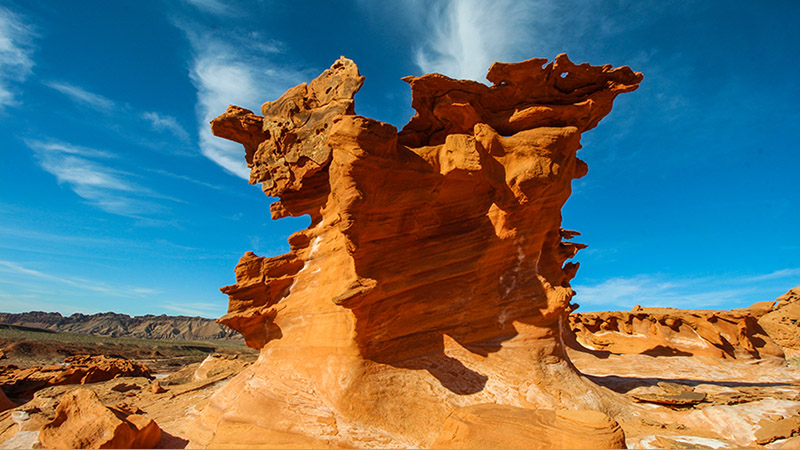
(80, 369)
(433, 274)
(734, 334)
(82, 421)
(782, 322)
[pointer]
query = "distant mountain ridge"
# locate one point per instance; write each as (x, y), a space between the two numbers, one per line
(161, 327)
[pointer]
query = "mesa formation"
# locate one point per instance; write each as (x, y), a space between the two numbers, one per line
(428, 304)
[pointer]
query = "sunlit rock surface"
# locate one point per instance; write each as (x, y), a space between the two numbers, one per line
(79, 369)
(734, 334)
(434, 274)
(782, 322)
(82, 421)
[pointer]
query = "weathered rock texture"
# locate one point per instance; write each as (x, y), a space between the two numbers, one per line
(503, 426)
(433, 274)
(770, 431)
(734, 334)
(82, 421)
(82, 369)
(782, 322)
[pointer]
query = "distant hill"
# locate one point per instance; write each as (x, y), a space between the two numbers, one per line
(111, 324)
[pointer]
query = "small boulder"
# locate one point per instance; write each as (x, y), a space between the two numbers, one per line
(679, 399)
(82, 421)
(772, 430)
(125, 387)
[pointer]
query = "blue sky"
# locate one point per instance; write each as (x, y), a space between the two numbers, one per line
(114, 196)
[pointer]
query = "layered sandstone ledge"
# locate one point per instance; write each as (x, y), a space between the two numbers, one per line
(734, 334)
(767, 331)
(782, 322)
(434, 274)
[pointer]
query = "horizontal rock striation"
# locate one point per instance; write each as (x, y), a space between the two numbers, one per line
(782, 322)
(434, 273)
(734, 334)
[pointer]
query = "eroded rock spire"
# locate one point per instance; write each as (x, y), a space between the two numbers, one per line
(434, 274)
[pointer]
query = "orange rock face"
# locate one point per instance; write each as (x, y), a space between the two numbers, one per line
(79, 369)
(433, 275)
(734, 334)
(503, 426)
(82, 421)
(782, 322)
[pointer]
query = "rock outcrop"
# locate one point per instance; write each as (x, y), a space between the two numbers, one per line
(82, 421)
(82, 369)
(782, 322)
(772, 430)
(733, 334)
(434, 273)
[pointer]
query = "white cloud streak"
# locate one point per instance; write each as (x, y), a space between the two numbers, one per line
(692, 293)
(13, 267)
(467, 36)
(82, 96)
(211, 310)
(214, 7)
(163, 122)
(218, 84)
(102, 186)
(17, 303)
(68, 149)
(191, 180)
(777, 275)
(233, 70)
(16, 50)
(157, 121)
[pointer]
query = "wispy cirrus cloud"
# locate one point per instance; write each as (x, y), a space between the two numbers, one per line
(215, 7)
(123, 113)
(69, 149)
(203, 309)
(164, 122)
(16, 51)
(80, 283)
(190, 180)
(776, 275)
(16, 303)
(89, 174)
(466, 36)
(81, 96)
(220, 82)
(657, 290)
(232, 68)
